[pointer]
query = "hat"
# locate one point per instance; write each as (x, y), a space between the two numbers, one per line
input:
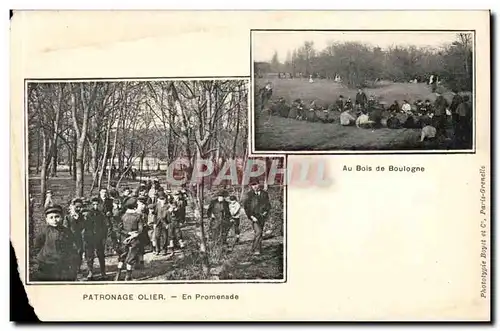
(116, 200)
(151, 206)
(53, 209)
(130, 203)
(126, 188)
(254, 182)
(222, 193)
(95, 200)
(161, 195)
(168, 191)
(76, 200)
(142, 199)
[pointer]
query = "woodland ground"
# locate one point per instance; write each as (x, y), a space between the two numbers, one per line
(185, 264)
(284, 134)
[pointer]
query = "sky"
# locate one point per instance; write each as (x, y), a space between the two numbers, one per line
(265, 43)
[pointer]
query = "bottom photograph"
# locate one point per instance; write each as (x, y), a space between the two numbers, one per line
(164, 192)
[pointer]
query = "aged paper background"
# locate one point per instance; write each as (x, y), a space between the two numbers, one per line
(348, 257)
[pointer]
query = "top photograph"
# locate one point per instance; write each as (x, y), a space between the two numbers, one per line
(343, 92)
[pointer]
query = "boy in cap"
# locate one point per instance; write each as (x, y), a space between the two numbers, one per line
(257, 207)
(131, 228)
(176, 215)
(97, 227)
(152, 221)
(219, 215)
(142, 210)
(235, 210)
(57, 258)
(162, 223)
(75, 221)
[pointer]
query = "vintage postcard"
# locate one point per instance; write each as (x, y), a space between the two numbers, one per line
(252, 166)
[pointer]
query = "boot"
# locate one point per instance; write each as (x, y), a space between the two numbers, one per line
(117, 277)
(128, 275)
(90, 275)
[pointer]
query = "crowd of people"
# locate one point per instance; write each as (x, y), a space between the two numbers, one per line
(369, 112)
(150, 218)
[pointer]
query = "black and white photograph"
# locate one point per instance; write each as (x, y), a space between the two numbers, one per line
(353, 91)
(149, 181)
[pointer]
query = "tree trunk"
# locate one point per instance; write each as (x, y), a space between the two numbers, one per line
(113, 153)
(203, 240)
(38, 154)
(104, 157)
(43, 173)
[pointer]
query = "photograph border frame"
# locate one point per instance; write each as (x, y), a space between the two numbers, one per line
(25, 177)
(251, 126)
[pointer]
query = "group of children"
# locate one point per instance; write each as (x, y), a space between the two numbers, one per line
(151, 216)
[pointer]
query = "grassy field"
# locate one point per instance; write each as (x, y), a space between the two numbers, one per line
(185, 264)
(283, 134)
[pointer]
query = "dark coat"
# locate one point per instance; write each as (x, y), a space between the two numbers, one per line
(56, 246)
(257, 205)
(220, 210)
(97, 226)
(440, 106)
(361, 98)
(106, 206)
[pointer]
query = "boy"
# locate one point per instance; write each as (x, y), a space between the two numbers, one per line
(257, 207)
(95, 234)
(235, 210)
(143, 236)
(152, 220)
(57, 258)
(131, 228)
(75, 222)
(176, 214)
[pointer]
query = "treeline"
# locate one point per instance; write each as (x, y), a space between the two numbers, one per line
(360, 65)
(89, 126)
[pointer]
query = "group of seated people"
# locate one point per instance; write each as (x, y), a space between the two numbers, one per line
(365, 111)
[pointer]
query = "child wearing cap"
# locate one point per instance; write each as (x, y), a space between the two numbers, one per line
(57, 258)
(75, 221)
(152, 227)
(235, 210)
(131, 228)
(176, 215)
(97, 228)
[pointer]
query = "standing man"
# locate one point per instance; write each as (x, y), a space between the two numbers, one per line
(340, 103)
(464, 122)
(455, 102)
(257, 207)
(440, 117)
(361, 99)
(219, 215)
